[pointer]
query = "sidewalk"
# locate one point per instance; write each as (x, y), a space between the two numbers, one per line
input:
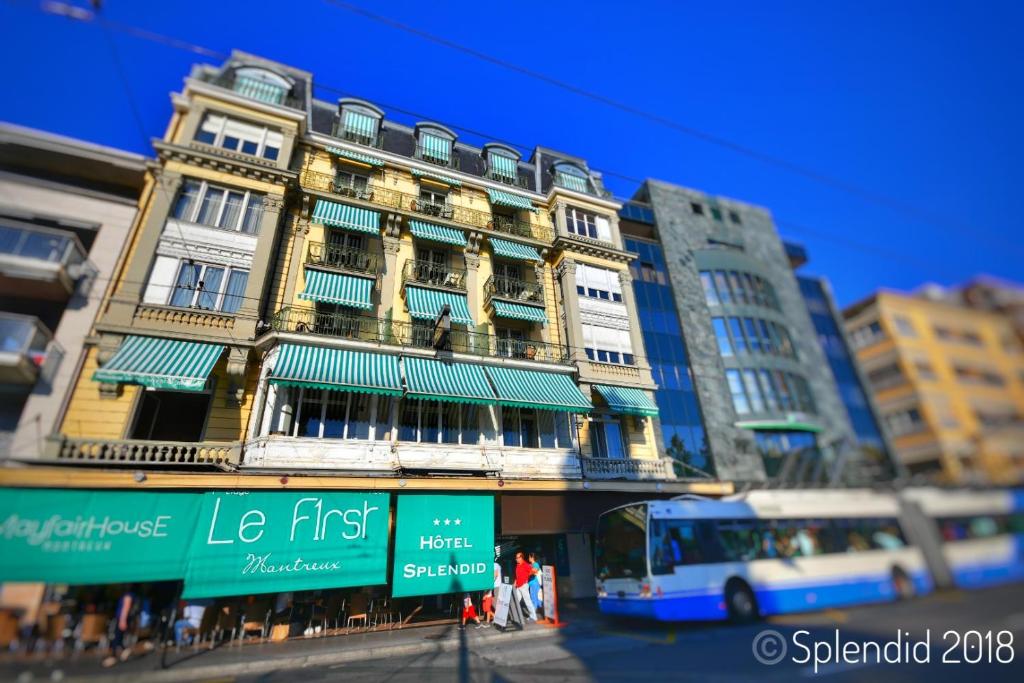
(227, 661)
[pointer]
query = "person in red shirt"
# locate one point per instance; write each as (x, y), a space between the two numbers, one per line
(524, 570)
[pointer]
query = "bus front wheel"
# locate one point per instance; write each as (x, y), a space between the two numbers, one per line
(740, 601)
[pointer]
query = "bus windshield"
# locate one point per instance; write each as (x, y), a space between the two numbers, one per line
(622, 543)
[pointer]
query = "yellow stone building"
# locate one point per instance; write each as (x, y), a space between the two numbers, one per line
(949, 381)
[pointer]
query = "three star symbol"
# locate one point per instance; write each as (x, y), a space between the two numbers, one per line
(447, 522)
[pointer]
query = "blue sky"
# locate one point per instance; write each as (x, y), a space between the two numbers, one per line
(918, 101)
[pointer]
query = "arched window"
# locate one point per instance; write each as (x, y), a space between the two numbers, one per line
(261, 85)
(571, 177)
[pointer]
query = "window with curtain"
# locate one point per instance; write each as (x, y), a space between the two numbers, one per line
(425, 421)
(608, 345)
(572, 178)
(598, 283)
(203, 285)
(607, 438)
(531, 428)
(435, 148)
(359, 127)
(219, 207)
(502, 167)
(237, 136)
(328, 414)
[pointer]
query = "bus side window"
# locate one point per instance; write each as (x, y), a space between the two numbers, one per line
(739, 539)
(710, 541)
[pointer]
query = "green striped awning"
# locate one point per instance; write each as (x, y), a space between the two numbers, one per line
(628, 400)
(571, 181)
(359, 123)
(337, 369)
(779, 425)
(502, 198)
(355, 156)
(534, 389)
(335, 288)
(161, 363)
(503, 166)
(435, 147)
(345, 216)
(437, 233)
(442, 381)
(514, 250)
(447, 180)
(507, 309)
(255, 89)
(426, 304)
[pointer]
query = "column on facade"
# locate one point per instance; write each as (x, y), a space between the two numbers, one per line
(472, 257)
(390, 244)
(121, 308)
(571, 309)
(261, 270)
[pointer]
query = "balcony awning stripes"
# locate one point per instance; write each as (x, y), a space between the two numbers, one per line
(437, 233)
(426, 304)
(571, 181)
(627, 400)
(502, 198)
(503, 165)
(334, 288)
(337, 369)
(355, 156)
(507, 309)
(447, 180)
(436, 147)
(514, 250)
(535, 389)
(344, 216)
(442, 381)
(161, 363)
(255, 89)
(359, 123)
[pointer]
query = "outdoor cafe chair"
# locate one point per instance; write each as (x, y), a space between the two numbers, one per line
(92, 630)
(358, 611)
(255, 619)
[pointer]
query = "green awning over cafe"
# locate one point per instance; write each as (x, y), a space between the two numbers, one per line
(628, 400)
(437, 233)
(447, 180)
(161, 363)
(335, 288)
(355, 156)
(513, 250)
(779, 426)
(95, 537)
(426, 304)
(535, 389)
(337, 369)
(515, 201)
(507, 309)
(344, 216)
(442, 381)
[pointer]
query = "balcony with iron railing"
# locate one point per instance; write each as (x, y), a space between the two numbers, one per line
(519, 181)
(255, 90)
(355, 190)
(349, 135)
(431, 274)
(372, 330)
(338, 257)
(513, 289)
(413, 204)
(28, 351)
(431, 156)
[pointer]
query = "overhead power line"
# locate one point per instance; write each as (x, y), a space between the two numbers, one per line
(86, 16)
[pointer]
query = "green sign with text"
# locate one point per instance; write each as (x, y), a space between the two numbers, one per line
(265, 542)
(88, 537)
(443, 544)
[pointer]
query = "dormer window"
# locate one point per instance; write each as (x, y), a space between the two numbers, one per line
(571, 178)
(434, 143)
(502, 167)
(261, 85)
(360, 127)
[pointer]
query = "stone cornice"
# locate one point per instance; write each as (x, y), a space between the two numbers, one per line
(214, 159)
(590, 247)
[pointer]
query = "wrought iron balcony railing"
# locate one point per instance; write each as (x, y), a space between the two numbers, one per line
(460, 215)
(401, 333)
(431, 156)
(433, 274)
(518, 181)
(347, 188)
(376, 141)
(340, 257)
(513, 289)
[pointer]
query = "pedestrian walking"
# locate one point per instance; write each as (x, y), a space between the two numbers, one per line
(122, 622)
(469, 612)
(535, 580)
(522, 585)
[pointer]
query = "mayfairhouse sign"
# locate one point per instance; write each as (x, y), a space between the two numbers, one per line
(264, 542)
(83, 537)
(443, 544)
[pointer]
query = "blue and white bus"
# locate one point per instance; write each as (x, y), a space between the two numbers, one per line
(981, 532)
(755, 554)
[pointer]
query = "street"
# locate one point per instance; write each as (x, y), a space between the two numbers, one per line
(617, 650)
